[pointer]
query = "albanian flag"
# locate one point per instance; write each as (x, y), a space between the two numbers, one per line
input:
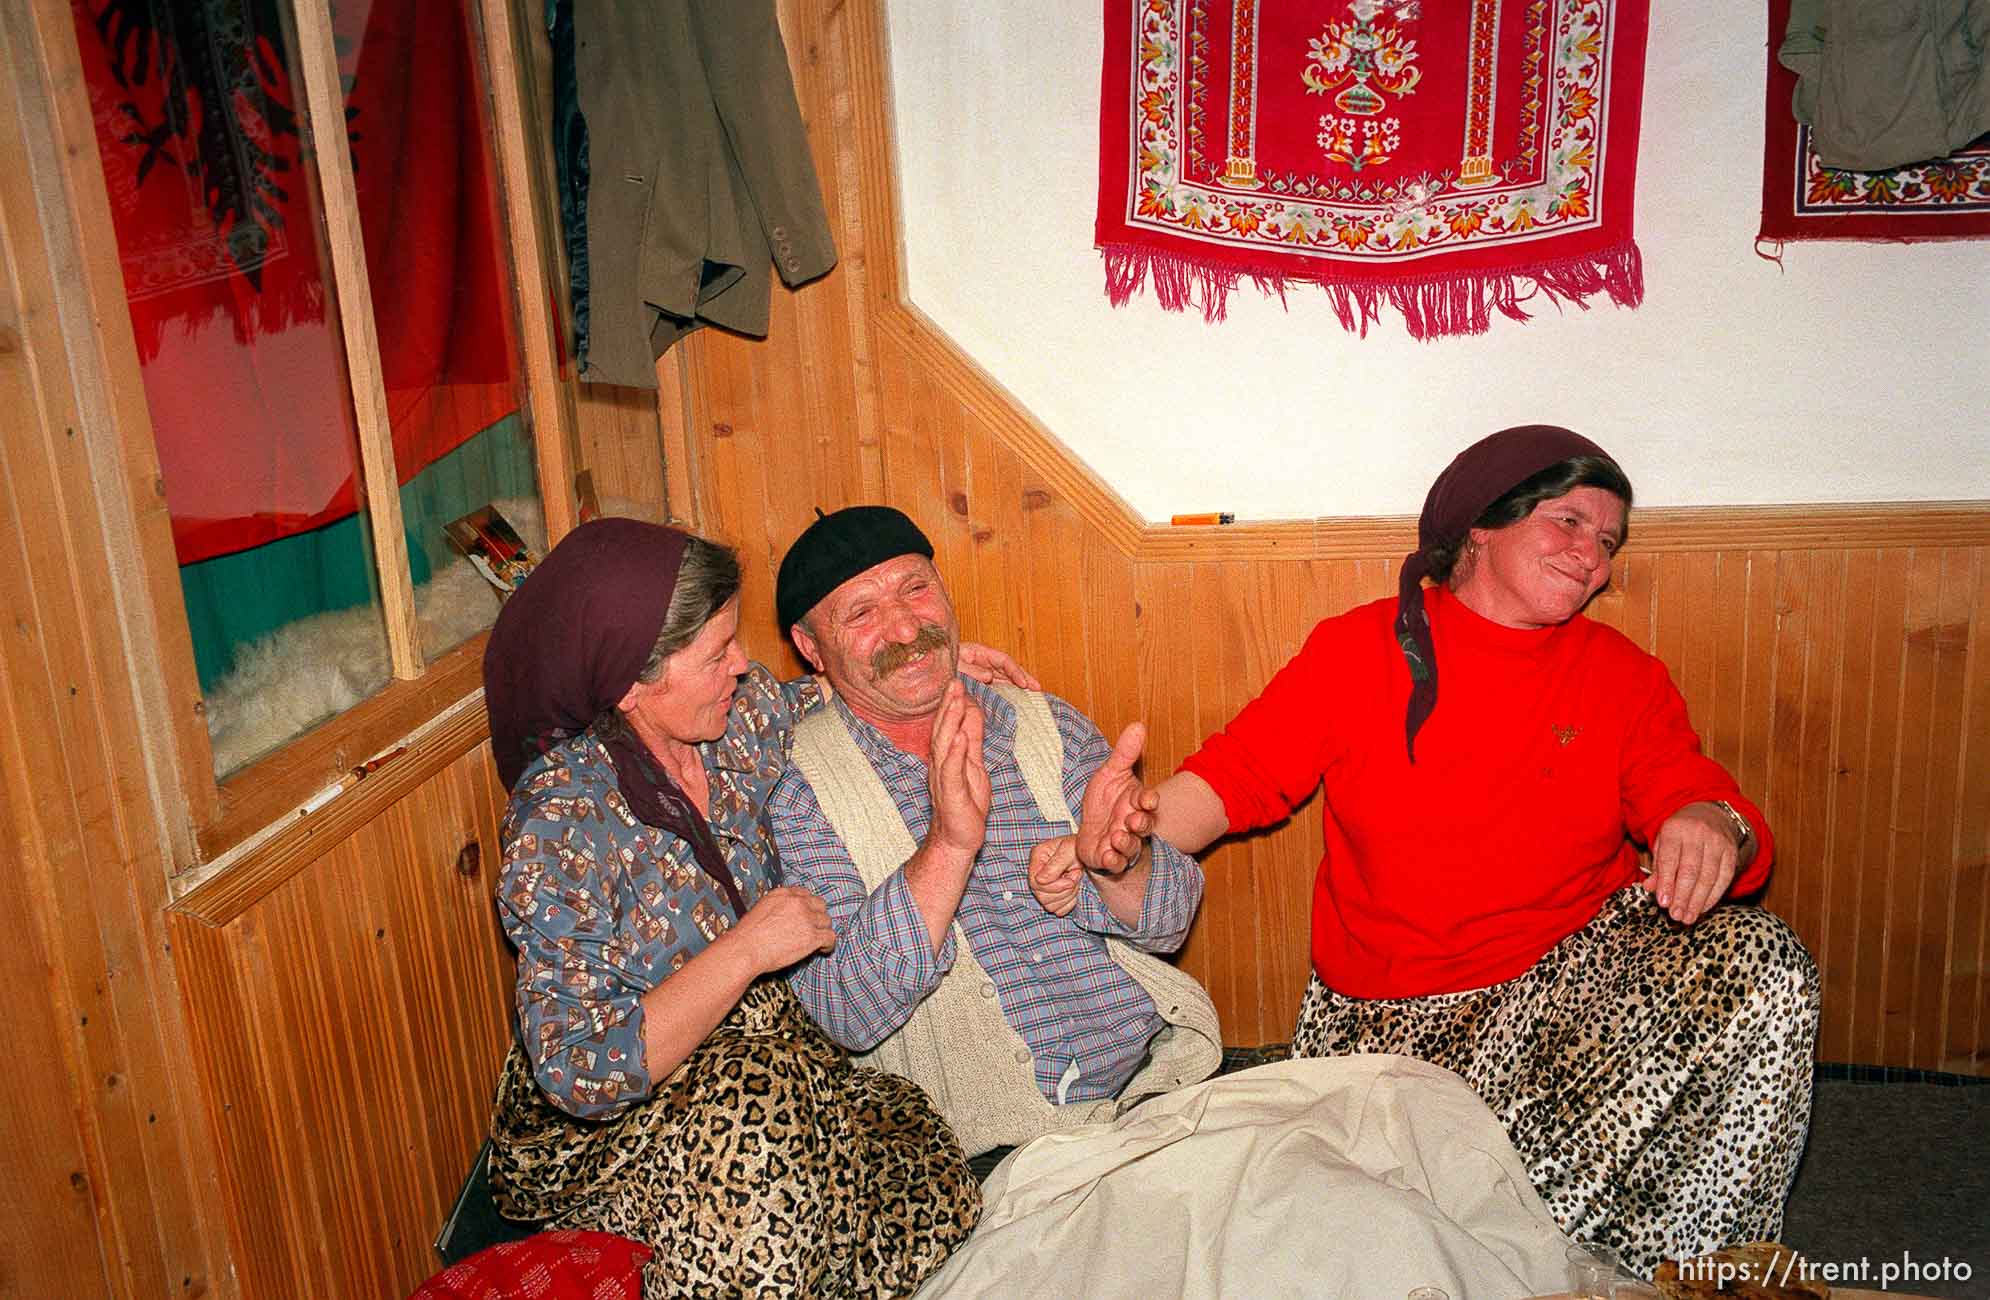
(215, 203)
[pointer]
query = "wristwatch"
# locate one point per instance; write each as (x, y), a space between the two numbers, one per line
(1743, 830)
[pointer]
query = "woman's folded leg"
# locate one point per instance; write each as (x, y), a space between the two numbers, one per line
(1655, 1077)
(765, 1165)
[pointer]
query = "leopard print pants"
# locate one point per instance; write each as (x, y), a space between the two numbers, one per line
(766, 1165)
(1655, 1077)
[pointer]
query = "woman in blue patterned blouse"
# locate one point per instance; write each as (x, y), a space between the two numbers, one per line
(665, 1084)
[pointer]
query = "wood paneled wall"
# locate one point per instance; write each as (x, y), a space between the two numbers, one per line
(109, 1183)
(1837, 659)
(348, 1029)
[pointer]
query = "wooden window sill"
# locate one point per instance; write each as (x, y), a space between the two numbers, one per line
(264, 834)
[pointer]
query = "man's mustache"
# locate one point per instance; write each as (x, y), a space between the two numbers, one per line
(892, 656)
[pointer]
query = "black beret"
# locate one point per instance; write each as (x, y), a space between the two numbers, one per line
(836, 548)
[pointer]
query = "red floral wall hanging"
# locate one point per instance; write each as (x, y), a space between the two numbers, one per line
(1447, 158)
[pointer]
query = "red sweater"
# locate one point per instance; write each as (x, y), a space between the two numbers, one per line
(1550, 752)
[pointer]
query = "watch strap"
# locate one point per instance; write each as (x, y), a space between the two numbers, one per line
(1743, 829)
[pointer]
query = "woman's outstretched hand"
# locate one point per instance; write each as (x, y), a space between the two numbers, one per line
(1118, 812)
(1055, 874)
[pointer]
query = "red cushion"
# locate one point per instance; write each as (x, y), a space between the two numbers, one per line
(565, 1265)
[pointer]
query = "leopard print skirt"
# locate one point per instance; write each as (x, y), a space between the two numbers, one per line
(766, 1165)
(1655, 1077)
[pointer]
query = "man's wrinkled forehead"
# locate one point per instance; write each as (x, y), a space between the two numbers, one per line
(878, 580)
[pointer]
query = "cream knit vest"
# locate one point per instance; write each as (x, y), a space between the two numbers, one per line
(957, 1045)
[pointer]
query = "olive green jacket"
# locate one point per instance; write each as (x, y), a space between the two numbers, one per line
(1884, 83)
(699, 175)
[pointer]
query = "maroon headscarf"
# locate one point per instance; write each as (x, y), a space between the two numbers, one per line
(1478, 476)
(568, 645)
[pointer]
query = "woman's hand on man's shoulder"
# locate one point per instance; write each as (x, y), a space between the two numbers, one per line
(986, 664)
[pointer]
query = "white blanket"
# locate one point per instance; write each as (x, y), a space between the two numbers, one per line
(1362, 1177)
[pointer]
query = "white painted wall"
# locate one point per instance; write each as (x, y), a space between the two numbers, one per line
(1857, 373)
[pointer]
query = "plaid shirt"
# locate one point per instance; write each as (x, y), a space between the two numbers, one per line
(1058, 987)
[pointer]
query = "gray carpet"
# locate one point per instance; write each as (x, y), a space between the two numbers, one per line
(1897, 1174)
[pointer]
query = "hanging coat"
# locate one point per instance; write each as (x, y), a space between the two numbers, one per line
(699, 176)
(1884, 83)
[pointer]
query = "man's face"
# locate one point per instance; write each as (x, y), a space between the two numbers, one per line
(887, 640)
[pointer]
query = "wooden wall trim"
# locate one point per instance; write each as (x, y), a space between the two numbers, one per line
(324, 119)
(1812, 527)
(523, 176)
(1654, 530)
(943, 362)
(115, 420)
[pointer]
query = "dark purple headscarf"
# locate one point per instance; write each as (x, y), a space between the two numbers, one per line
(569, 643)
(1478, 476)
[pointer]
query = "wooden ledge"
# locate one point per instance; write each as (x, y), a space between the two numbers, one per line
(220, 891)
(1831, 527)
(1828, 526)
(270, 789)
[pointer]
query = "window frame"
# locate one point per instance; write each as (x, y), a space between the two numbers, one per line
(257, 813)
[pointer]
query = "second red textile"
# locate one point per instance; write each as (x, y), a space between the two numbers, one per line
(1944, 198)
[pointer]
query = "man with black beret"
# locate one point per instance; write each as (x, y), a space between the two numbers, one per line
(938, 819)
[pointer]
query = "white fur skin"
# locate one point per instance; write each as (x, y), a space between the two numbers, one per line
(309, 671)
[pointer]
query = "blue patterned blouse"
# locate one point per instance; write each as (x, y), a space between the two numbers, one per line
(603, 908)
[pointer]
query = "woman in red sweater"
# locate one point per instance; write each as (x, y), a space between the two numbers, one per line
(1482, 903)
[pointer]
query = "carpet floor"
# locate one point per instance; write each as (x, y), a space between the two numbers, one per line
(1894, 1188)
